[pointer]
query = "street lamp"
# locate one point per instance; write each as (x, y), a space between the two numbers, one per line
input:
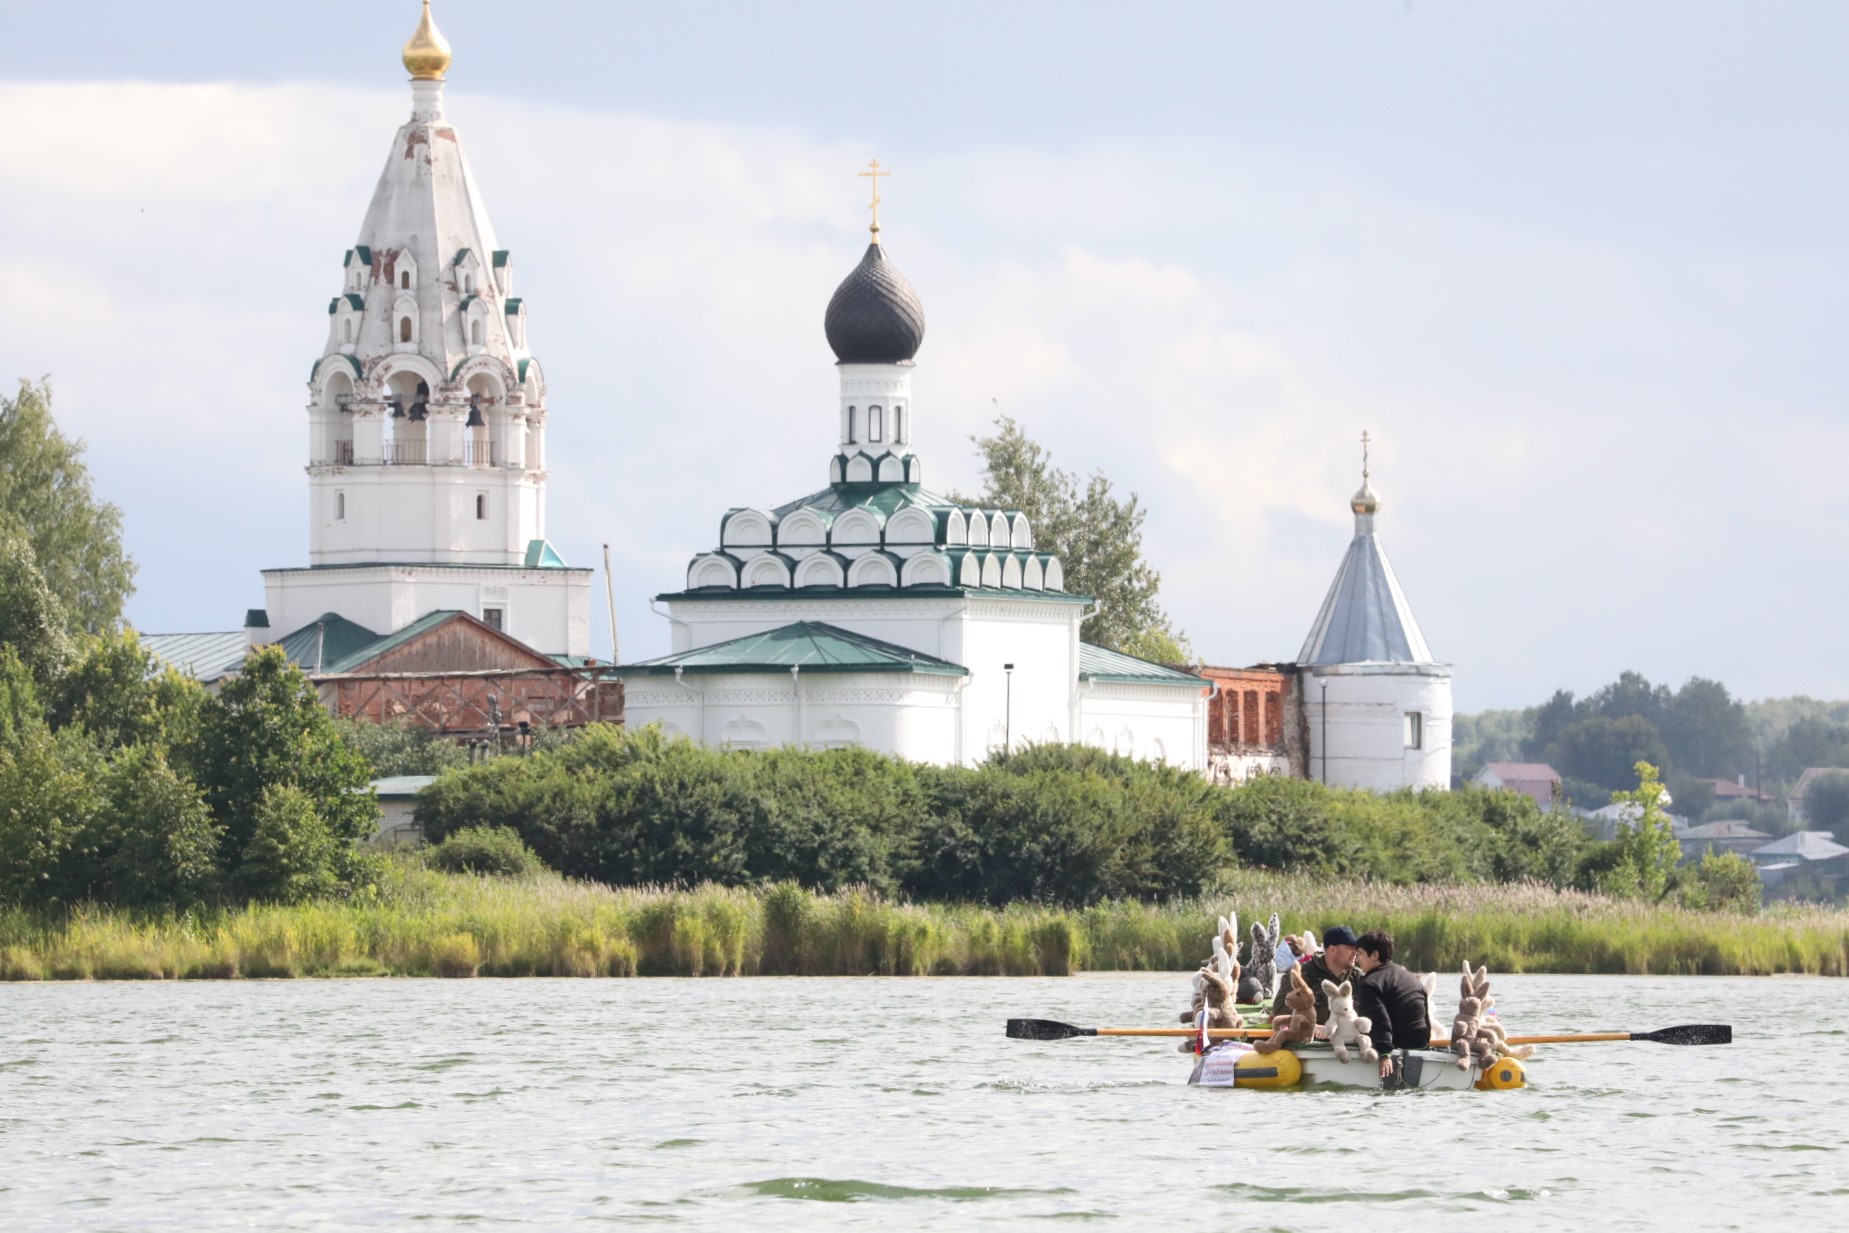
(1008, 711)
(1325, 685)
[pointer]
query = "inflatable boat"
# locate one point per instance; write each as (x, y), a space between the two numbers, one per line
(1234, 1063)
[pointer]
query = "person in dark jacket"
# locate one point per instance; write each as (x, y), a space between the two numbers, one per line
(1336, 963)
(1390, 996)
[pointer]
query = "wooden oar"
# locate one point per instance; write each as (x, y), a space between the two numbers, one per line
(1687, 1034)
(1050, 1029)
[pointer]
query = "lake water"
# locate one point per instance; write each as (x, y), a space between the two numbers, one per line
(891, 1104)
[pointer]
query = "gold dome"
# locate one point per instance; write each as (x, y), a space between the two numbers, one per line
(427, 54)
(1364, 501)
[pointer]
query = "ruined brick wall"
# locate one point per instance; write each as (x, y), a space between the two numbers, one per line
(1254, 723)
(476, 703)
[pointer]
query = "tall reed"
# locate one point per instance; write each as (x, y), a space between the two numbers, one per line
(425, 923)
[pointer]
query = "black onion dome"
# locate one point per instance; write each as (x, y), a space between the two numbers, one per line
(875, 316)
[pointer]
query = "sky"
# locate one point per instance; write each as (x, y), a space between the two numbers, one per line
(1578, 268)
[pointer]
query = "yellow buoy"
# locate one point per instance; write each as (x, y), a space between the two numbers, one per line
(1502, 1075)
(1280, 1069)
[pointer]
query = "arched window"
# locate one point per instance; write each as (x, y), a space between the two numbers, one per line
(898, 425)
(404, 329)
(468, 283)
(475, 331)
(875, 423)
(404, 280)
(340, 507)
(481, 505)
(852, 416)
(347, 331)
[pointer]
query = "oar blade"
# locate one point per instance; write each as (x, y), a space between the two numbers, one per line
(1690, 1034)
(1045, 1029)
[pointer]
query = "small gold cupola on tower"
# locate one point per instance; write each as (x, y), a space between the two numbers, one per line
(426, 54)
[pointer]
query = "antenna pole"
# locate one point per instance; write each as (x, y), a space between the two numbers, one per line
(609, 590)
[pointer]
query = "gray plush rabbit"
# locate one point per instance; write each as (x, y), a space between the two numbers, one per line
(1260, 981)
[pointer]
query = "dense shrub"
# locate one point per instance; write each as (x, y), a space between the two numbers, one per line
(493, 850)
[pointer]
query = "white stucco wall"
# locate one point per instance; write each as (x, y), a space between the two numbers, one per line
(911, 715)
(548, 609)
(1154, 723)
(1366, 725)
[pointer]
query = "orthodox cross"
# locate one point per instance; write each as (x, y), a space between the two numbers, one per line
(874, 173)
(1364, 444)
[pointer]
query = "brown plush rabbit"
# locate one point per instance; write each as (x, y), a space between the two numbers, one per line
(1300, 1024)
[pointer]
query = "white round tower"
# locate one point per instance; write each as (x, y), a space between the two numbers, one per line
(1377, 704)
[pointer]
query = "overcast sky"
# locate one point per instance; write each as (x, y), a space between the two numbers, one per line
(1580, 268)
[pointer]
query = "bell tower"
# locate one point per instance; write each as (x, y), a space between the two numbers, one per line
(427, 411)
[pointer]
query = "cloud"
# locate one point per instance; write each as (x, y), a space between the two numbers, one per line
(1592, 455)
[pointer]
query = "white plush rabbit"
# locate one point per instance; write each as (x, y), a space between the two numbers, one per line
(1345, 1026)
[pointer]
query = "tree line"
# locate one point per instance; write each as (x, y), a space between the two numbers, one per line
(1694, 732)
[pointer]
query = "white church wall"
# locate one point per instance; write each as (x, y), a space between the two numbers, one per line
(1148, 722)
(415, 513)
(548, 609)
(912, 716)
(919, 623)
(1040, 639)
(1367, 726)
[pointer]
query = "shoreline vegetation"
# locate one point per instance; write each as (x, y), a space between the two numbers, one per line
(417, 921)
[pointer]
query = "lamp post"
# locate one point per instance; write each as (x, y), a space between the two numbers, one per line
(1325, 685)
(1008, 710)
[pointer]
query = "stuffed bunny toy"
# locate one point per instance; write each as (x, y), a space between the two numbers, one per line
(1477, 1037)
(1216, 1003)
(1300, 1024)
(1345, 1026)
(1261, 978)
(1429, 983)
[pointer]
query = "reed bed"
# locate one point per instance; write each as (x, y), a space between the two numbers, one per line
(425, 923)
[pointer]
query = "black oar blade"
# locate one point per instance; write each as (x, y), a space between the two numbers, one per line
(1690, 1034)
(1045, 1029)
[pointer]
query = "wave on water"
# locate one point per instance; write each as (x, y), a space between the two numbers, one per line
(852, 1190)
(1032, 1087)
(1309, 1194)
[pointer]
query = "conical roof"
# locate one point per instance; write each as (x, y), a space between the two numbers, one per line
(875, 316)
(1365, 619)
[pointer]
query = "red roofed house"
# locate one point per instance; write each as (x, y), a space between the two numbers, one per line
(1536, 780)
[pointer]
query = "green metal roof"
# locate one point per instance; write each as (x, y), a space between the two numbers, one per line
(879, 592)
(362, 251)
(809, 645)
(401, 785)
(512, 306)
(352, 658)
(540, 554)
(462, 305)
(324, 641)
(204, 657)
(1098, 664)
(461, 255)
(500, 258)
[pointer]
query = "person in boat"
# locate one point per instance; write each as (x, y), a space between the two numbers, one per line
(1335, 963)
(1391, 997)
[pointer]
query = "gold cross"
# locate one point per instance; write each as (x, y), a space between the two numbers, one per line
(874, 173)
(1364, 443)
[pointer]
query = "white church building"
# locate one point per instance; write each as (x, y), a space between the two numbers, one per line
(876, 612)
(427, 414)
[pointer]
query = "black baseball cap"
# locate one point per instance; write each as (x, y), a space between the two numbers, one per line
(1341, 935)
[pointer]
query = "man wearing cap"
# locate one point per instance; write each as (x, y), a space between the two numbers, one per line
(1334, 964)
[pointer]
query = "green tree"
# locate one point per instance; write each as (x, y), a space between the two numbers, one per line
(267, 729)
(45, 496)
(21, 711)
(400, 747)
(1603, 750)
(1547, 721)
(1705, 730)
(1826, 803)
(48, 799)
(155, 843)
(1719, 882)
(1631, 694)
(292, 855)
(1097, 536)
(32, 622)
(1646, 845)
(119, 694)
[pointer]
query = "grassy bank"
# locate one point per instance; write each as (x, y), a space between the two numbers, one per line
(423, 923)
